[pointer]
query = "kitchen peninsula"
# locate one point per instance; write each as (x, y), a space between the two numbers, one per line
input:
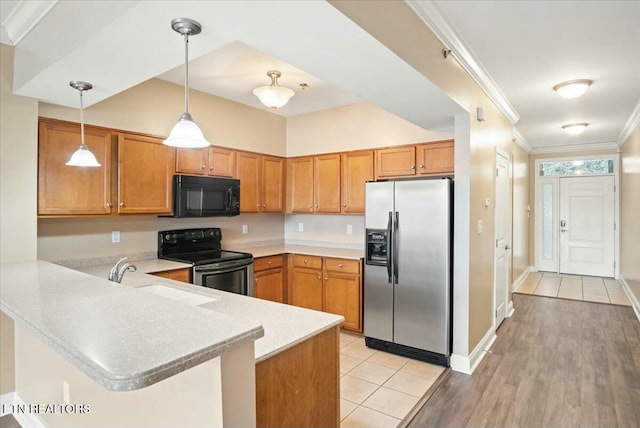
(160, 362)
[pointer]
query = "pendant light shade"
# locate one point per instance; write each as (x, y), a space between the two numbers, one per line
(273, 96)
(185, 133)
(82, 156)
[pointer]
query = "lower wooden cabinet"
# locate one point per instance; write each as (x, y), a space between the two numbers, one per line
(327, 284)
(269, 278)
(182, 274)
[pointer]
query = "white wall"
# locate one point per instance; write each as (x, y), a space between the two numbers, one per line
(325, 230)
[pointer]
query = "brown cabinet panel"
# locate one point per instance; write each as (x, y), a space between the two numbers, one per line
(436, 158)
(71, 190)
(191, 161)
(145, 171)
(327, 184)
(357, 169)
(269, 285)
(305, 288)
(342, 296)
(304, 261)
(342, 265)
(300, 184)
(250, 175)
(222, 162)
(396, 162)
(182, 274)
(269, 262)
(272, 184)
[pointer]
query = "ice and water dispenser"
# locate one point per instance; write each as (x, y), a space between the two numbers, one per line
(377, 247)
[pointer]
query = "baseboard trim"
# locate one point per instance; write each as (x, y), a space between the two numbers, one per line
(510, 309)
(468, 365)
(635, 304)
(521, 279)
(26, 420)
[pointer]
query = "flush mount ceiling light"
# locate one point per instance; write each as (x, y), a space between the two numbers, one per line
(185, 133)
(575, 128)
(82, 156)
(273, 96)
(572, 88)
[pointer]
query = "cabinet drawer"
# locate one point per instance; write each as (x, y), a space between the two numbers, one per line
(311, 262)
(264, 263)
(342, 265)
(181, 274)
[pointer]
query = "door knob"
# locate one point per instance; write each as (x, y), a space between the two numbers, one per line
(563, 223)
(507, 247)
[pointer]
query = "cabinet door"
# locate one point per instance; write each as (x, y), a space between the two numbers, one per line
(396, 162)
(436, 158)
(327, 183)
(342, 296)
(300, 184)
(249, 174)
(180, 274)
(145, 171)
(269, 285)
(357, 169)
(191, 161)
(272, 184)
(306, 288)
(69, 190)
(222, 162)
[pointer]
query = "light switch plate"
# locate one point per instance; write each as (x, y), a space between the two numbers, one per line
(480, 227)
(300, 227)
(349, 229)
(115, 236)
(245, 229)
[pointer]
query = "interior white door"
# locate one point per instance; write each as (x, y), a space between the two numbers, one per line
(587, 224)
(502, 238)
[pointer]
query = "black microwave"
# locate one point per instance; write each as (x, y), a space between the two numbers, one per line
(205, 196)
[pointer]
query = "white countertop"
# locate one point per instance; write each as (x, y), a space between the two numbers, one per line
(284, 325)
(310, 250)
(123, 338)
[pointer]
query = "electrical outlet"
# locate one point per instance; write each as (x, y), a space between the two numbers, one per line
(245, 229)
(65, 392)
(115, 236)
(300, 227)
(349, 229)
(479, 227)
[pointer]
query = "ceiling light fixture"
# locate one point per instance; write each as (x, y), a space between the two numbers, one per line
(273, 96)
(185, 133)
(572, 88)
(82, 156)
(575, 128)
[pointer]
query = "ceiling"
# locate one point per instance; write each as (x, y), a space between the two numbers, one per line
(516, 50)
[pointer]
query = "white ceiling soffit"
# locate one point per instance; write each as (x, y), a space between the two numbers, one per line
(117, 45)
(431, 16)
(630, 126)
(20, 16)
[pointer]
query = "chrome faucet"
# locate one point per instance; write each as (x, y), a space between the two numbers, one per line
(118, 270)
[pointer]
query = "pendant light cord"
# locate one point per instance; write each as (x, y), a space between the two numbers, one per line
(186, 73)
(82, 144)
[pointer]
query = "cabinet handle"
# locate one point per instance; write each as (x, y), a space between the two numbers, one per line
(204, 166)
(108, 204)
(319, 277)
(326, 279)
(413, 167)
(264, 206)
(344, 205)
(340, 265)
(310, 206)
(258, 205)
(269, 262)
(316, 205)
(210, 168)
(305, 262)
(122, 204)
(421, 166)
(255, 279)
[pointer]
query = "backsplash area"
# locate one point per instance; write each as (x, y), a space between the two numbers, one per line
(81, 238)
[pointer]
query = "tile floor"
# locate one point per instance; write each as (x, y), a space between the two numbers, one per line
(574, 287)
(378, 389)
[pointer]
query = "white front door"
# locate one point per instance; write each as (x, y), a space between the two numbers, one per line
(502, 238)
(587, 226)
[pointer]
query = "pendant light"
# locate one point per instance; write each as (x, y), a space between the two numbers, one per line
(82, 156)
(185, 133)
(273, 96)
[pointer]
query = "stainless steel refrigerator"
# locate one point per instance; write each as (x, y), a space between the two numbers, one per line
(407, 272)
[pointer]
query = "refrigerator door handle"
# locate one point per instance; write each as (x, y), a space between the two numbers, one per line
(395, 248)
(389, 250)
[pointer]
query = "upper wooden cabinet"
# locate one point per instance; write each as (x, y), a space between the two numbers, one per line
(261, 182)
(314, 184)
(72, 190)
(145, 171)
(213, 161)
(436, 158)
(424, 159)
(357, 169)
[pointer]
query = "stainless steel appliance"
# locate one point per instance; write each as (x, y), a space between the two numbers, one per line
(213, 267)
(407, 272)
(205, 196)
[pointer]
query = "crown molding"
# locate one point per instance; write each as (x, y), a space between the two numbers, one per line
(630, 126)
(576, 148)
(429, 13)
(24, 16)
(520, 140)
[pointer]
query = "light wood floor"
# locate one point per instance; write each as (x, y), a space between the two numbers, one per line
(574, 287)
(555, 363)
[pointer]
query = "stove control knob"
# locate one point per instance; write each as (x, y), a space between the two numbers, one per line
(167, 237)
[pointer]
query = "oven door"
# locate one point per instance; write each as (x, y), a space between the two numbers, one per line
(234, 276)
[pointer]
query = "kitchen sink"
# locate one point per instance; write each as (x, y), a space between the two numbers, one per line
(177, 294)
